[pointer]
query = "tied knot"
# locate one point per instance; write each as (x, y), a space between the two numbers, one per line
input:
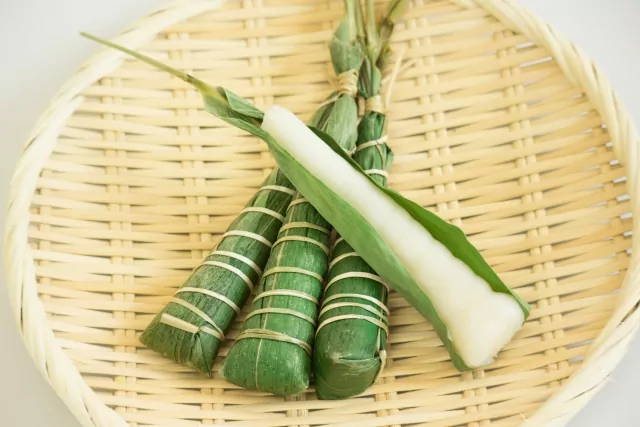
(374, 104)
(383, 362)
(348, 83)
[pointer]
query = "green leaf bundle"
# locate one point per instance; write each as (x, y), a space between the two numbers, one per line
(273, 351)
(427, 260)
(350, 350)
(191, 327)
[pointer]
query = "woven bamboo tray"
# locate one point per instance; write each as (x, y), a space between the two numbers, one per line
(501, 126)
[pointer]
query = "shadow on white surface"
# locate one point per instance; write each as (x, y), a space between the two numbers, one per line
(26, 399)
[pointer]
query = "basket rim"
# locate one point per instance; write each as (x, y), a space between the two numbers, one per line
(55, 365)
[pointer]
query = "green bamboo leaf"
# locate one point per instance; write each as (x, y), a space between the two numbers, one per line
(350, 349)
(191, 327)
(280, 327)
(242, 106)
(351, 339)
(272, 353)
(395, 10)
(218, 101)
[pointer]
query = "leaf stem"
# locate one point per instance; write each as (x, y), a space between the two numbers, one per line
(362, 35)
(373, 44)
(188, 78)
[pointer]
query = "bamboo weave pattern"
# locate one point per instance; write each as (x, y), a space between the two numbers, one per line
(127, 184)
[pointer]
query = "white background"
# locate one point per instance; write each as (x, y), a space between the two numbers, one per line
(30, 73)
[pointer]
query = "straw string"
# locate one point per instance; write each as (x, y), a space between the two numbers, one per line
(296, 270)
(341, 317)
(286, 293)
(373, 300)
(242, 233)
(297, 202)
(265, 334)
(286, 311)
(232, 269)
(211, 294)
(354, 275)
(279, 188)
(365, 307)
(382, 354)
(397, 71)
(173, 321)
(342, 257)
(380, 141)
(301, 224)
(377, 172)
(265, 211)
(348, 83)
(374, 105)
(195, 310)
(322, 246)
(238, 257)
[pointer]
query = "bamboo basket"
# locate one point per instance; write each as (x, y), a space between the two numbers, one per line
(501, 126)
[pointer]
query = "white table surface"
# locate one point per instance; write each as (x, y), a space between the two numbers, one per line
(608, 30)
